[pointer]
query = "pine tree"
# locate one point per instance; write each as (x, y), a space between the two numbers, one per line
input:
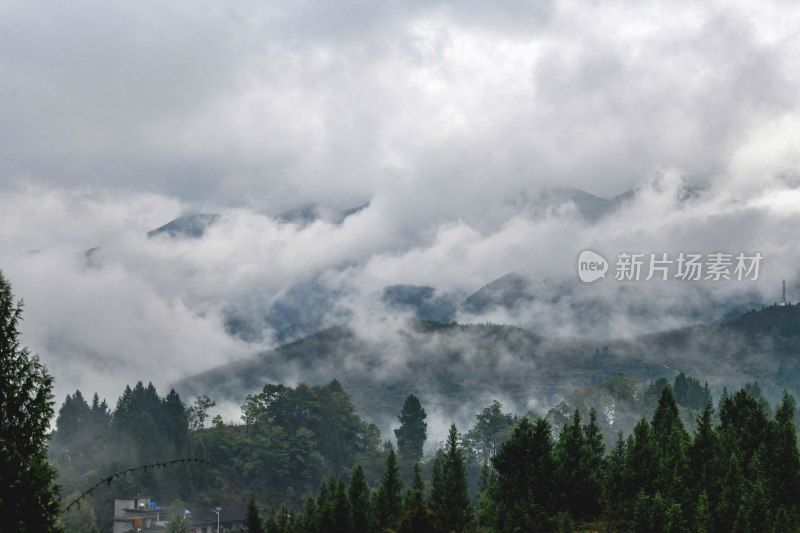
(672, 441)
(417, 490)
(525, 478)
(358, 494)
(253, 522)
(28, 494)
(702, 459)
(388, 504)
(596, 465)
(413, 430)
(614, 487)
(486, 512)
(732, 486)
(451, 496)
(572, 467)
(642, 462)
(785, 460)
(702, 515)
(341, 519)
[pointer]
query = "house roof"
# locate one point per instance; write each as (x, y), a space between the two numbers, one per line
(232, 512)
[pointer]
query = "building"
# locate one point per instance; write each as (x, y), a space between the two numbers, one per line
(138, 514)
(204, 519)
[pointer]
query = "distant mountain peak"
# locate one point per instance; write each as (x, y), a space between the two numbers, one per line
(309, 213)
(592, 208)
(191, 226)
(508, 291)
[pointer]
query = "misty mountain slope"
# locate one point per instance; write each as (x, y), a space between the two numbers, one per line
(187, 227)
(310, 213)
(457, 367)
(590, 207)
(463, 366)
(509, 291)
(424, 302)
(759, 345)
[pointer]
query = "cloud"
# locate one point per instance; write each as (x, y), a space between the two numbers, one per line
(449, 117)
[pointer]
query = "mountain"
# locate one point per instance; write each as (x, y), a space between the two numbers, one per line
(459, 366)
(425, 302)
(592, 208)
(299, 311)
(509, 292)
(186, 227)
(310, 213)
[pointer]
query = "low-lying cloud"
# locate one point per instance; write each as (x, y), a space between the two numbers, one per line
(450, 119)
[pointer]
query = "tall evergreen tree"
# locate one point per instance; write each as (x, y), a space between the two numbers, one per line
(28, 494)
(253, 522)
(417, 490)
(595, 458)
(389, 499)
(413, 429)
(702, 469)
(614, 486)
(642, 462)
(672, 441)
(579, 467)
(572, 471)
(358, 494)
(525, 478)
(785, 460)
(451, 496)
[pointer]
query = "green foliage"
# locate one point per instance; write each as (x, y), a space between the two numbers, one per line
(178, 524)
(253, 522)
(28, 494)
(198, 412)
(80, 518)
(324, 412)
(672, 441)
(388, 501)
(450, 498)
(525, 478)
(620, 387)
(492, 428)
(360, 508)
(741, 473)
(413, 429)
(579, 467)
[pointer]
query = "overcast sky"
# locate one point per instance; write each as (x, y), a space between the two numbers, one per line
(116, 117)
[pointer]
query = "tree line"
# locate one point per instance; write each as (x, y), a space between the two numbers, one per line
(738, 471)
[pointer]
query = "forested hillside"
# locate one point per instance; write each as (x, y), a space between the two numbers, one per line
(457, 363)
(311, 464)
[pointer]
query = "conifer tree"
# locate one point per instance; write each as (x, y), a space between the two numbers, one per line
(642, 462)
(413, 430)
(253, 522)
(388, 504)
(525, 478)
(358, 494)
(452, 504)
(702, 459)
(785, 460)
(672, 441)
(28, 494)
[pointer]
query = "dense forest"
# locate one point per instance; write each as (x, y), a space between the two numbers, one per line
(310, 463)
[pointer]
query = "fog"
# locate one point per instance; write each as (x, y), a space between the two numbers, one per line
(455, 122)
